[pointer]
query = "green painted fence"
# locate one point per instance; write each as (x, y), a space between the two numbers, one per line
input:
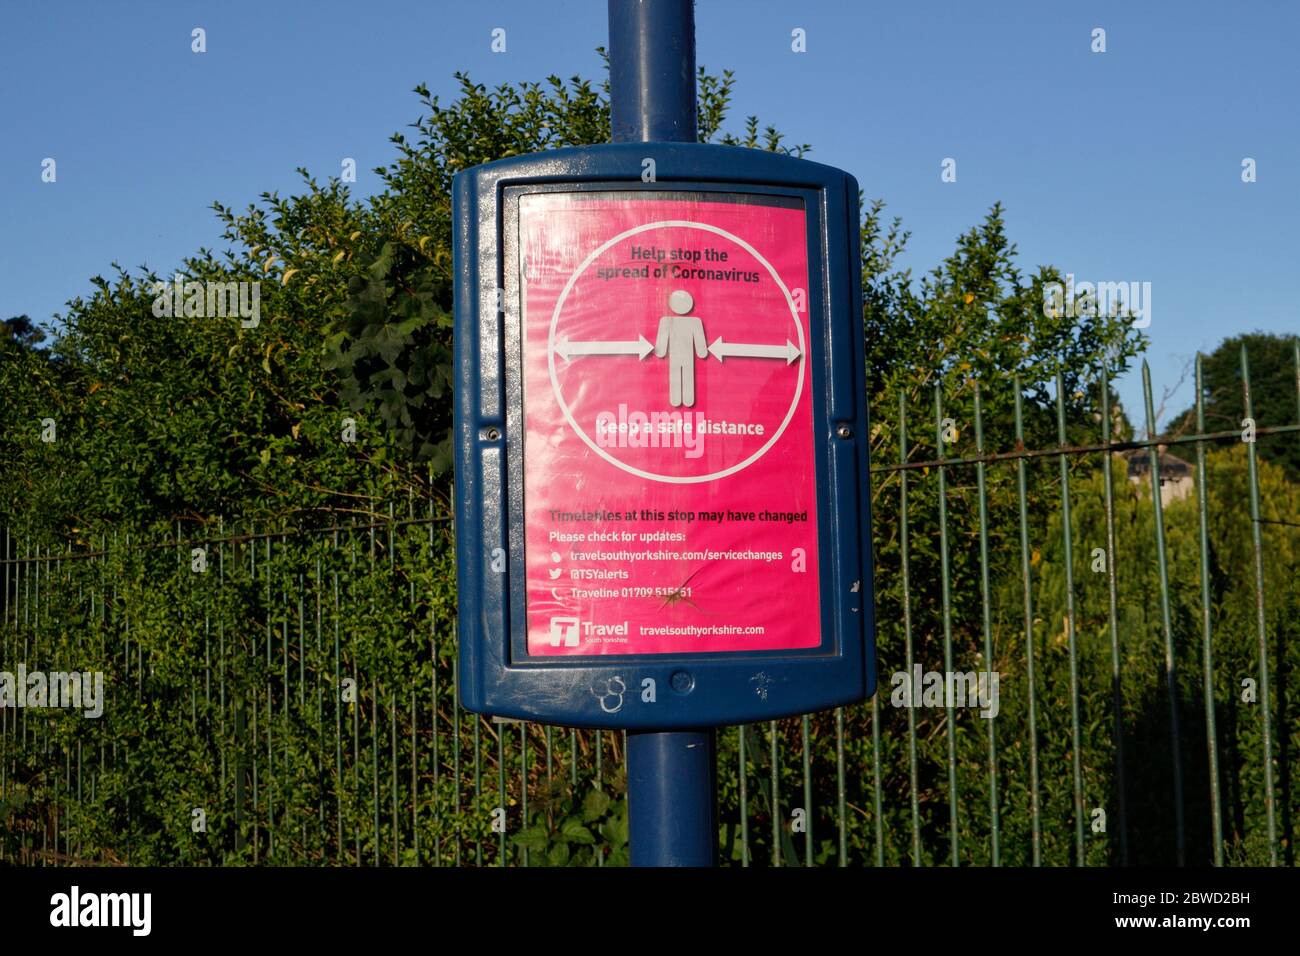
(288, 696)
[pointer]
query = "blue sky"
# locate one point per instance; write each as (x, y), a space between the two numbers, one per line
(1118, 166)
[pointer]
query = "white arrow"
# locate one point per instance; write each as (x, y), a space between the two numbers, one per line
(640, 348)
(722, 350)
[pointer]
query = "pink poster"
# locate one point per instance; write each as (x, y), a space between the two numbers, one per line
(670, 491)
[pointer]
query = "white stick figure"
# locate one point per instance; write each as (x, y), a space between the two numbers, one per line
(681, 337)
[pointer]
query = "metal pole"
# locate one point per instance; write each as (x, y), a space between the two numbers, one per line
(652, 71)
(672, 807)
(671, 776)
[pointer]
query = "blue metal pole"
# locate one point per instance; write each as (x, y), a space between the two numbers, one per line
(671, 788)
(652, 71)
(671, 777)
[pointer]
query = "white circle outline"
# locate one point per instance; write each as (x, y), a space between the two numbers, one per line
(564, 408)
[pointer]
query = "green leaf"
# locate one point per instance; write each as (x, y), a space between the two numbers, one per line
(614, 830)
(573, 831)
(534, 839)
(595, 805)
(558, 855)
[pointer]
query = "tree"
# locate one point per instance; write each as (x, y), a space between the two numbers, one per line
(22, 331)
(1274, 392)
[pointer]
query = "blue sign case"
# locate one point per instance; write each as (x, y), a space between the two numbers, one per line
(497, 674)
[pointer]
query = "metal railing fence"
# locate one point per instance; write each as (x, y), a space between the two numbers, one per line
(289, 696)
